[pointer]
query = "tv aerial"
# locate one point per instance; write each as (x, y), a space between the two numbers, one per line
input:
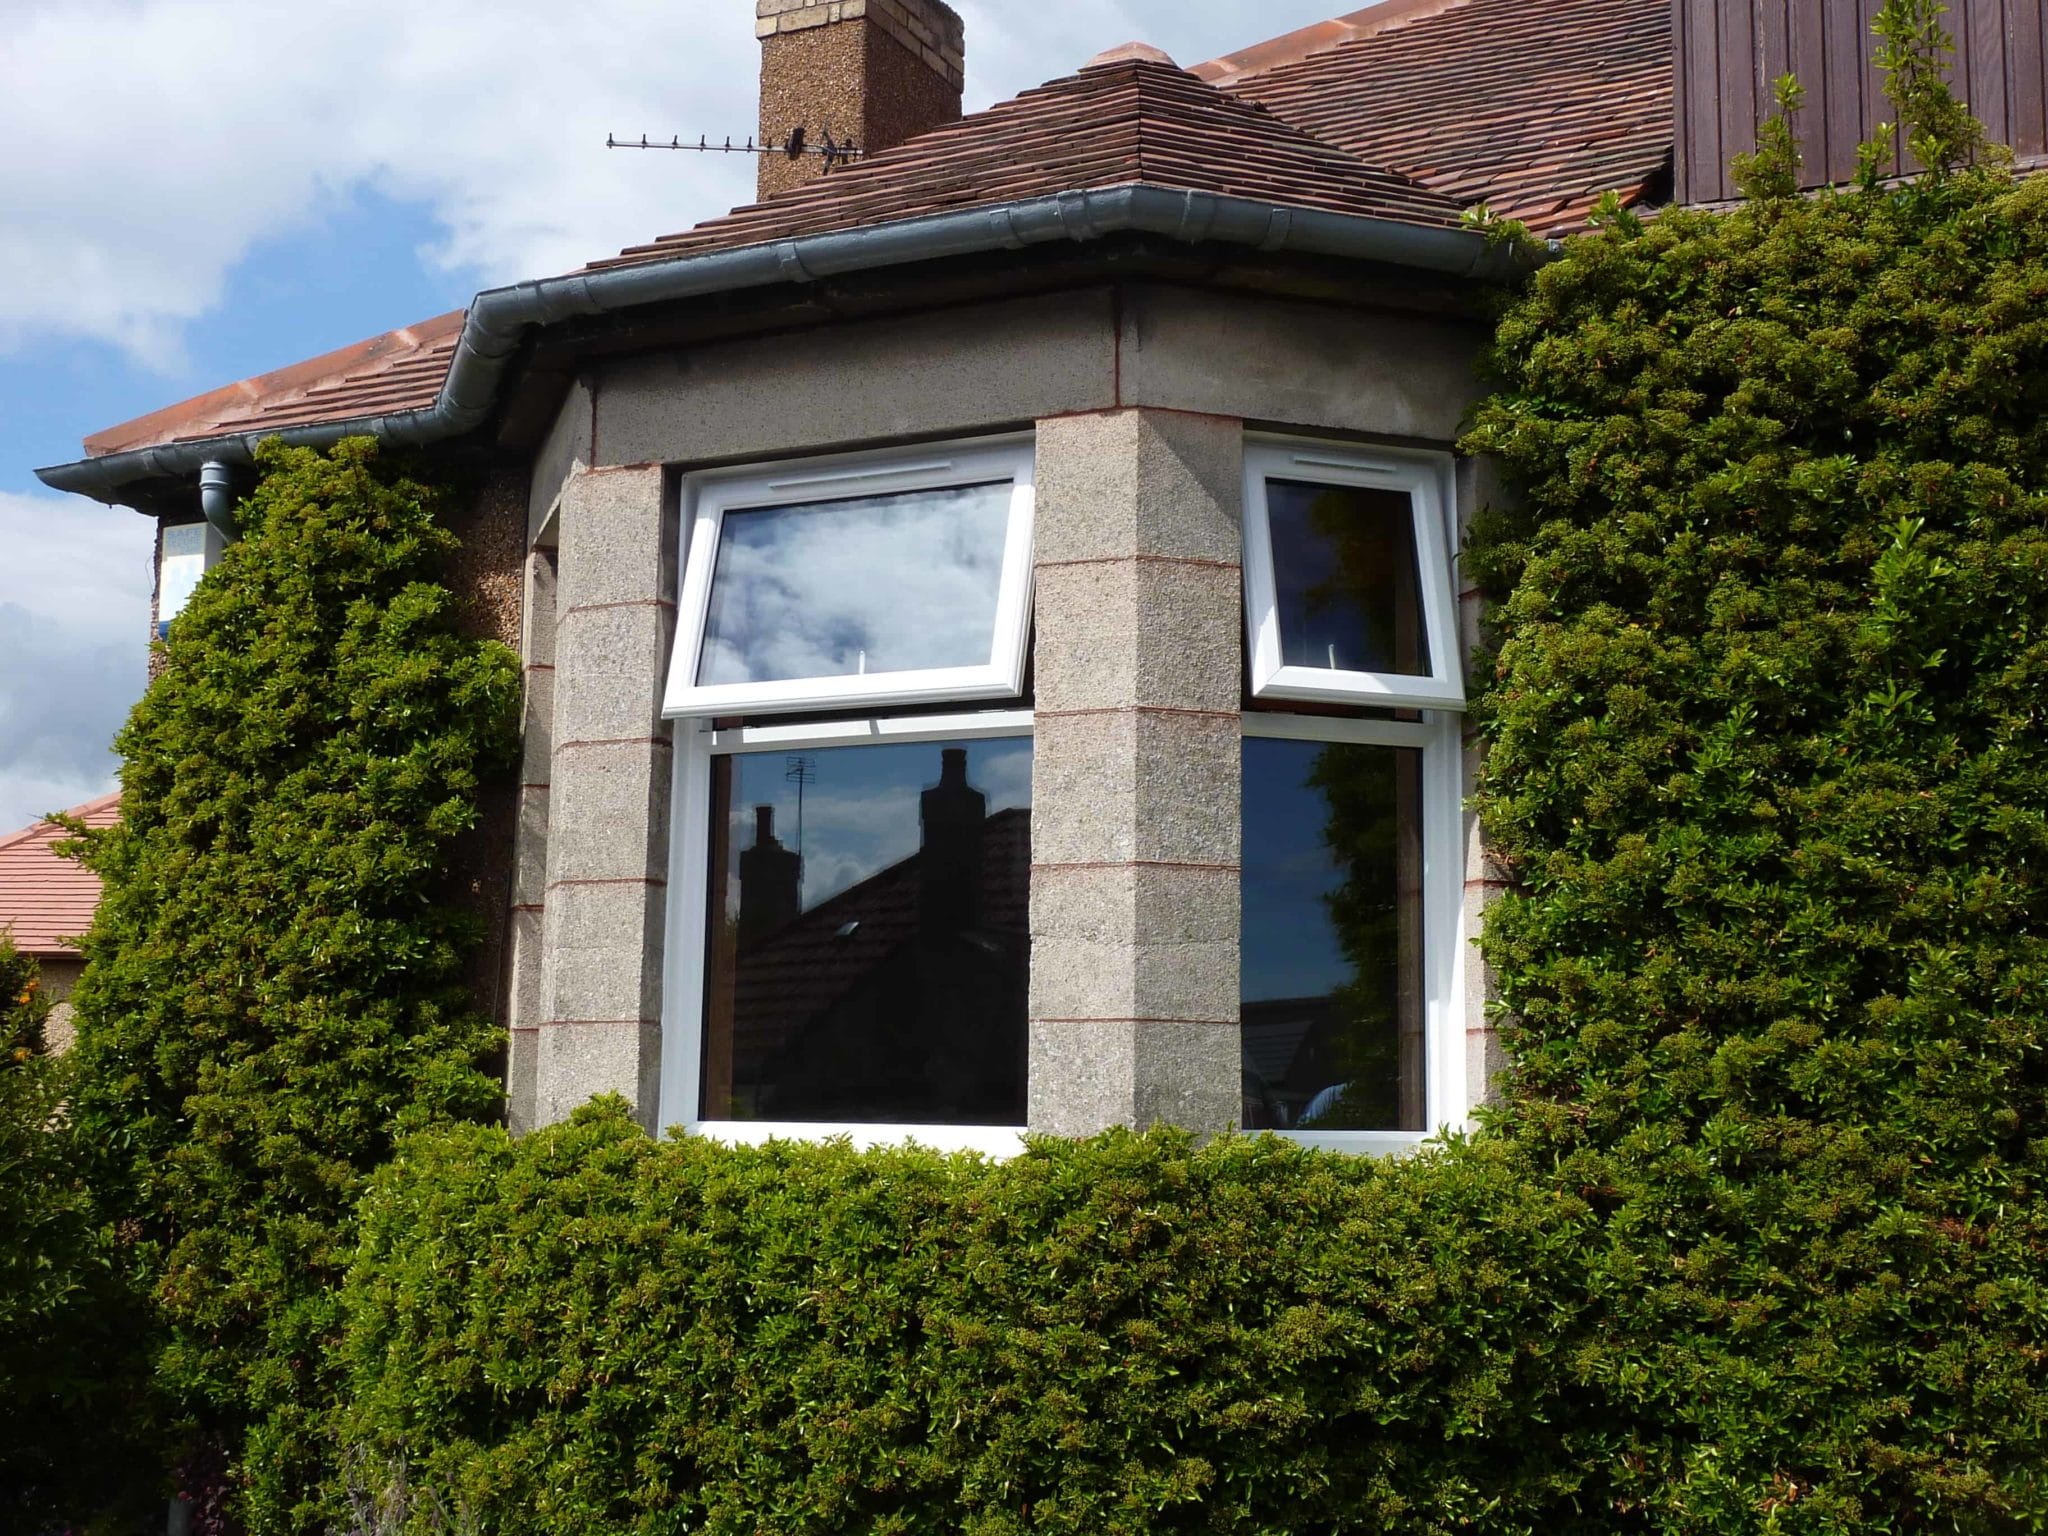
(795, 145)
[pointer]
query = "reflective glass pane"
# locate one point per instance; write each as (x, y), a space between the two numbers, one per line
(1344, 571)
(869, 943)
(1331, 978)
(896, 583)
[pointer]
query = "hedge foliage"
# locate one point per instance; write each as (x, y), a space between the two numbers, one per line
(1768, 771)
(274, 987)
(586, 1331)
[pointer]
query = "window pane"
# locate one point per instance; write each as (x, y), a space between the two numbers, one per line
(1331, 981)
(896, 583)
(1344, 573)
(869, 942)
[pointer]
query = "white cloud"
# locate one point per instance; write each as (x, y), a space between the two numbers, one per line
(74, 626)
(153, 143)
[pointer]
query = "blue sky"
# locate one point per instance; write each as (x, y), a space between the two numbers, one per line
(200, 190)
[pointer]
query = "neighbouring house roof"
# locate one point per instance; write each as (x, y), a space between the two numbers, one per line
(1403, 114)
(394, 371)
(1531, 107)
(45, 900)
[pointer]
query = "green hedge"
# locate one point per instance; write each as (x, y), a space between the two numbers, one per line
(275, 986)
(586, 1331)
(67, 1367)
(1768, 771)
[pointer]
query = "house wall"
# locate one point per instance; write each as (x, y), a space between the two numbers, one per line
(1138, 396)
(59, 974)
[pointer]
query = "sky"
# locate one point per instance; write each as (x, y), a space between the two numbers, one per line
(199, 190)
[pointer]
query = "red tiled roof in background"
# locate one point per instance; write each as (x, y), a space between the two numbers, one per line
(1123, 120)
(45, 900)
(1532, 107)
(398, 371)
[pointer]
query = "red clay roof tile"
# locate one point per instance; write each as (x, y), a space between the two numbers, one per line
(398, 371)
(45, 900)
(1532, 107)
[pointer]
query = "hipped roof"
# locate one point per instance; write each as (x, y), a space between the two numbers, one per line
(1409, 111)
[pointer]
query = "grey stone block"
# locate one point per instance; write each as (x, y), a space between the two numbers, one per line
(603, 952)
(522, 1054)
(1082, 1077)
(609, 668)
(1123, 632)
(1485, 1062)
(1084, 801)
(1188, 1074)
(574, 1063)
(1189, 797)
(1136, 904)
(1128, 785)
(614, 532)
(971, 369)
(1088, 1076)
(1126, 482)
(537, 641)
(526, 953)
(1105, 979)
(608, 811)
(537, 733)
(530, 847)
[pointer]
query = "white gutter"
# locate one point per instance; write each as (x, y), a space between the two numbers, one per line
(500, 317)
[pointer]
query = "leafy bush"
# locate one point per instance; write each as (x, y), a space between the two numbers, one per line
(274, 985)
(1767, 768)
(61, 1318)
(589, 1331)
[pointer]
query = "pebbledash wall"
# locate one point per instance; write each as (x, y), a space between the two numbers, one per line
(1137, 399)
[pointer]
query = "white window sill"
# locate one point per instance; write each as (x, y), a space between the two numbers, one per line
(1004, 1141)
(989, 1140)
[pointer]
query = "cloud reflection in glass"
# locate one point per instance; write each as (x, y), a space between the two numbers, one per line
(873, 584)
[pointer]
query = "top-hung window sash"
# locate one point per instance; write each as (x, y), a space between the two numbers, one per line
(1292, 656)
(856, 581)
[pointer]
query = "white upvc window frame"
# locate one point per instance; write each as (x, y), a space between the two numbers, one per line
(709, 496)
(1427, 478)
(1439, 737)
(683, 979)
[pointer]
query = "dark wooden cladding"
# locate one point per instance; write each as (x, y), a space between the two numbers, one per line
(1732, 52)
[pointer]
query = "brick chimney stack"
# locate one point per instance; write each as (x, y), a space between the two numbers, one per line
(873, 71)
